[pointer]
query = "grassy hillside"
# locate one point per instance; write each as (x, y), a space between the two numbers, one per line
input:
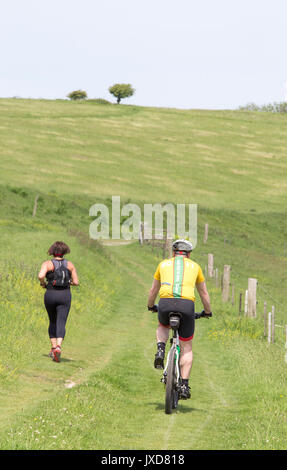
(225, 159)
(75, 154)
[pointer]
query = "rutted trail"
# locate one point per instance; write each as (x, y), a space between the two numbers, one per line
(189, 416)
(40, 379)
(118, 399)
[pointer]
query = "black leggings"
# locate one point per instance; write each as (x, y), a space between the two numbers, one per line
(57, 303)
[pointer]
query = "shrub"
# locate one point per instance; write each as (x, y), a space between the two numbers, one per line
(267, 108)
(99, 101)
(77, 95)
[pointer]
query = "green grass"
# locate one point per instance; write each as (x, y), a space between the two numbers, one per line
(238, 396)
(135, 152)
(75, 154)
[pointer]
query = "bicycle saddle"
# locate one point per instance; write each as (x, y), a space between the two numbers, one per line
(174, 320)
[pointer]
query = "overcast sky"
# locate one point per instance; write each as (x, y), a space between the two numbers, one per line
(209, 54)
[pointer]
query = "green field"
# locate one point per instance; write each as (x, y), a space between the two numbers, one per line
(105, 393)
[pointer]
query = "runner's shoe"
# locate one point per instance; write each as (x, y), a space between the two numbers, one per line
(57, 354)
(159, 359)
(51, 353)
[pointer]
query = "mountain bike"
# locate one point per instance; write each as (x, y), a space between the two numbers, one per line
(171, 373)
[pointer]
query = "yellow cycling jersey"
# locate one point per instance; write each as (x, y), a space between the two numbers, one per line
(178, 277)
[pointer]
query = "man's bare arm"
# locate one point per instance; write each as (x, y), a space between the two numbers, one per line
(204, 296)
(153, 292)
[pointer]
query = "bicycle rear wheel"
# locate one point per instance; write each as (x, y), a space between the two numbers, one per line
(171, 394)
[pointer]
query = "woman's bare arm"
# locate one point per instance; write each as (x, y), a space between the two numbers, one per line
(74, 275)
(42, 273)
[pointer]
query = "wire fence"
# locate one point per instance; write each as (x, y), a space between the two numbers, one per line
(248, 297)
(234, 288)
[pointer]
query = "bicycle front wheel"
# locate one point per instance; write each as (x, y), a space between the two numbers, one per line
(171, 394)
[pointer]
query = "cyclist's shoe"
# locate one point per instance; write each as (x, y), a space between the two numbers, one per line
(184, 392)
(159, 359)
(57, 354)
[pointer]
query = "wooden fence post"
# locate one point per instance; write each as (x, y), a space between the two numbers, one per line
(169, 247)
(269, 326)
(35, 205)
(246, 303)
(252, 285)
(210, 265)
(240, 303)
(164, 246)
(226, 283)
(216, 278)
(273, 324)
(265, 318)
(141, 233)
(205, 233)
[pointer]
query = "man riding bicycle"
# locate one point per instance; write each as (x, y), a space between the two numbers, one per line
(175, 280)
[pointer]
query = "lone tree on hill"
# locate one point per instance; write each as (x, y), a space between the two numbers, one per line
(121, 90)
(77, 95)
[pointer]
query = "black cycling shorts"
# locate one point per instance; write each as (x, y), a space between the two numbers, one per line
(183, 306)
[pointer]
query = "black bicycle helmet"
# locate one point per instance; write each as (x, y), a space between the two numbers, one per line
(182, 245)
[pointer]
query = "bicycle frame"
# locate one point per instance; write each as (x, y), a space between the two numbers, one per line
(171, 374)
(174, 345)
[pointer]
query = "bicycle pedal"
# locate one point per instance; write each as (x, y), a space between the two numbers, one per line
(163, 379)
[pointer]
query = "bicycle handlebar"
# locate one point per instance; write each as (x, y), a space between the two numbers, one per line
(202, 315)
(196, 315)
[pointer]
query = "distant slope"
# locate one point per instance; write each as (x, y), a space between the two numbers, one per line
(217, 159)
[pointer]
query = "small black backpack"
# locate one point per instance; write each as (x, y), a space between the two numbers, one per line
(61, 273)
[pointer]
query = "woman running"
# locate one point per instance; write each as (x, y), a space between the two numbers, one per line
(56, 276)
